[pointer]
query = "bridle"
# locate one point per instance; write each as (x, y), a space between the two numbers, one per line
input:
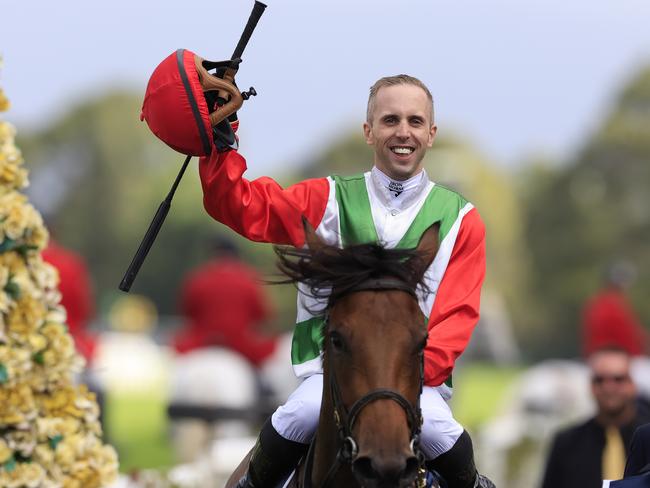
(345, 419)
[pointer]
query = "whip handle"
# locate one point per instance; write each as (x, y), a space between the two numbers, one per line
(145, 245)
(152, 232)
(258, 10)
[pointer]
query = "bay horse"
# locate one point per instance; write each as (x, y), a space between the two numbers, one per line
(373, 343)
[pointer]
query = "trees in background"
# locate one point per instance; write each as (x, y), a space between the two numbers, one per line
(583, 216)
(551, 228)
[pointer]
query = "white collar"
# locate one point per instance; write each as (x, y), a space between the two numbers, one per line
(398, 194)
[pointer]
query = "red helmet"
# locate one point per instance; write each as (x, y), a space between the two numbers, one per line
(175, 105)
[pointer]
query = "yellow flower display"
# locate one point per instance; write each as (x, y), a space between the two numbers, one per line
(4, 102)
(24, 475)
(12, 174)
(17, 405)
(5, 452)
(21, 221)
(17, 364)
(50, 435)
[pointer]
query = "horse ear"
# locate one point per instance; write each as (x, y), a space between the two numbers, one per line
(311, 239)
(428, 245)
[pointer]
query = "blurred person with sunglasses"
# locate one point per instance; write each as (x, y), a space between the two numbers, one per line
(586, 454)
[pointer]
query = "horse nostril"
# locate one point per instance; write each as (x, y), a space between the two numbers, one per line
(411, 470)
(363, 468)
(398, 472)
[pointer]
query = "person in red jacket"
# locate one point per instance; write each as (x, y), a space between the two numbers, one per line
(77, 295)
(608, 318)
(223, 304)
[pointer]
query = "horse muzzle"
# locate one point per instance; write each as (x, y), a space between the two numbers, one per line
(381, 471)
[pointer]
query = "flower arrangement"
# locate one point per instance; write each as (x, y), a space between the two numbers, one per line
(50, 435)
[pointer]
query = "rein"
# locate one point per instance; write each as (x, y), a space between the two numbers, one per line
(345, 419)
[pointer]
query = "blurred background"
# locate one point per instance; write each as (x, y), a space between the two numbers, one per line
(543, 110)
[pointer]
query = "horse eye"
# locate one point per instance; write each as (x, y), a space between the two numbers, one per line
(336, 341)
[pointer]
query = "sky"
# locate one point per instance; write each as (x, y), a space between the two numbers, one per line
(512, 77)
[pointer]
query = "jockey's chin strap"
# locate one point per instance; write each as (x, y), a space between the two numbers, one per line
(345, 419)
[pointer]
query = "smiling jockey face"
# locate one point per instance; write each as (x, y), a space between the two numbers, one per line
(400, 129)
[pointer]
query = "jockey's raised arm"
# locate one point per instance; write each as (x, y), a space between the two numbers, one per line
(261, 209)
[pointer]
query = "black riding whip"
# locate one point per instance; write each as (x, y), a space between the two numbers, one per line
(163, 209)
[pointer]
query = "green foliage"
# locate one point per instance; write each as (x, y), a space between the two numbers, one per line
(551, 230)
(589, 213)
(347, 156)
(54, 441)
(459, 166)
(4, 374)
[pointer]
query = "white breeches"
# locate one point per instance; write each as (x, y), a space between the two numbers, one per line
(297, 419)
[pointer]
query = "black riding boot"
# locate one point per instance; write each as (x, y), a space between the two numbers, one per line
(457, 466)
(272, 460)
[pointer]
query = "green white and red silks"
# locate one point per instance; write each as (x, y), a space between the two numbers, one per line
(354, 210)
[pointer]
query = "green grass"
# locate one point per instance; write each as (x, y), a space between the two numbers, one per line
(137, 423)
(137, 427)
(479, 390)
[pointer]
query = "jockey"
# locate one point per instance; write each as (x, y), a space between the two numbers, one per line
(392, 204)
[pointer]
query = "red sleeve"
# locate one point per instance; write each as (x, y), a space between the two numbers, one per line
(260, 210)
(456, 307)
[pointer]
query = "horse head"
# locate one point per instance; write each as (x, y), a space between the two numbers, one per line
(373, 343)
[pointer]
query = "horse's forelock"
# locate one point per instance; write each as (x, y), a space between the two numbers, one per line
(341, 269)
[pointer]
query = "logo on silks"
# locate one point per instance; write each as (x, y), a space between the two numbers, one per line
(184, 103)
(396, 188)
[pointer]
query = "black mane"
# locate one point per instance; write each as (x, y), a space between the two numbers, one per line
(342, 269)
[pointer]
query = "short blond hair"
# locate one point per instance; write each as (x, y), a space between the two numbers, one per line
(392, 81)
